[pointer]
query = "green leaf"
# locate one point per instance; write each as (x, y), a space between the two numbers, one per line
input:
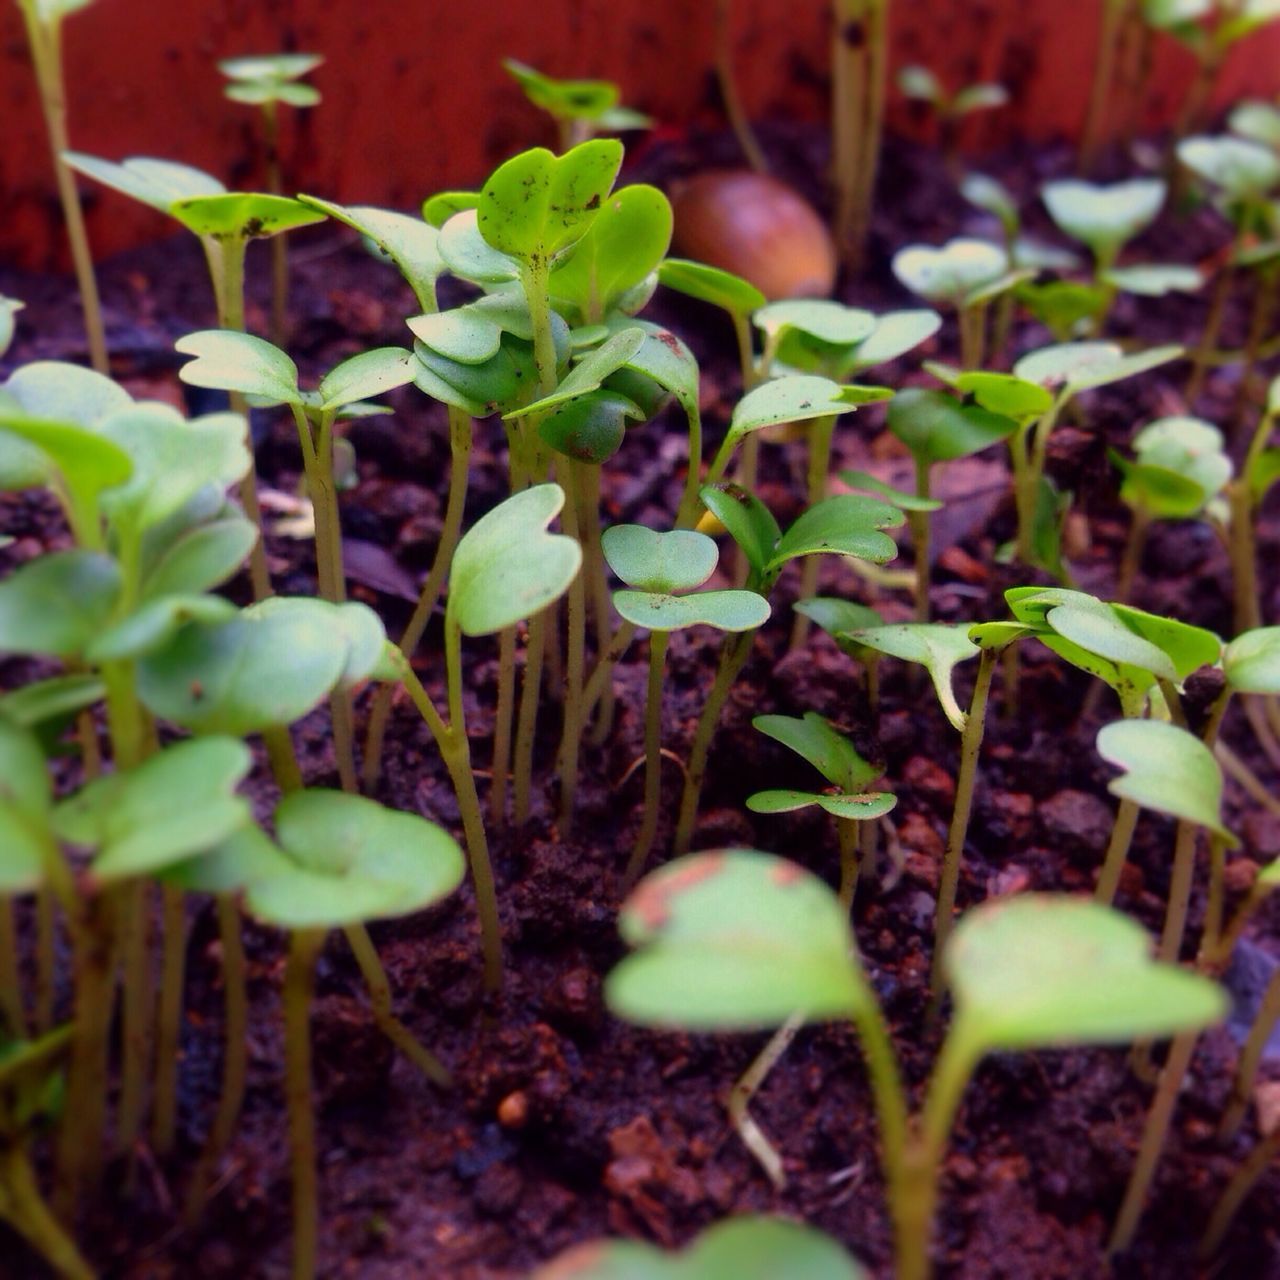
(1155, 279)
(865, 481)
(1244, 170)
(724, 610)
(351, 860)
(937, 647)
(937, 427)
(896, 333)
(679, 560)
(796, 398)
(1004, 393)
(154, 624)
(412, 244)
(1188, 647)
(469, 256)
(231, 677)
(1104, 217)
(1264, 473)
(1063, 305)
(836, 616)
(158, 183)
(830, 323)
(590, 371)
(622, 247)
(741, 1248)
(177, 804)
(1166, 769)
(953, 272)
(1039, 971)
(591, 427)
(720, 288)
(480, 389)
(173, 459)
(270, 66)
(1081, 366)
(57, 604)
(464, 334)
(815, 739)
(37, 451)
(1161, 493)
(734, 940)
(439, 208)
(66, 392)
(1101, 632)
(847, 524)
(1257, 121)
(243, 215)
(564, 99)
(25, 786)
(507, 566)
(920, 83)
(979, 97)
(1190, 446)
(53, 699)
(864, 806)
(537, 205)
(999, 635)
(994, 198)
(371, 373)
(1251, 662)
(201, 558)
(229, 361)
(9, 307)
(749, 522)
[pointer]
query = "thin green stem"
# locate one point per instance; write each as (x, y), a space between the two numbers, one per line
(821, 433)
(739, 121)
(11, 1008)
(920, 524)
(1175, 920)
(235, 1056)
(138, 1009)
(1237, 1191)
(45, 39)
(576, 659)
(748, 1085)
(1091, 137)
(1251, 1054)
(173, 958)
(652, 760)
(299, 981)
(1132, 557)
(22, 1205)
(1117, 851)
(849, 835)
(527, 719)
(601, 679)
(279, 247)
(502, 726)
(1209, 335)
(596, 573)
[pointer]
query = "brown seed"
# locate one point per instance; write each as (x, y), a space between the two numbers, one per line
(513, 1110)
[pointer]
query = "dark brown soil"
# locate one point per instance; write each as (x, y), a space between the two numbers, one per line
(565, 1123)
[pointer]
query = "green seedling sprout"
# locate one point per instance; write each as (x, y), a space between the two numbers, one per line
(224, 222)
(1245, 494)
(737, 940)
(268, 82)
(656, 567)
(848, 801)
(30, 1080)
(239, 362)
(581, 108)
(338, 862)
(859, 83)
(1244, 175)
(43, 19)
(964, 275)
(532, 212)
(1064, 371)
(949, 110)
(847, 524)
(507, 568)
(935, 427)
(746, 1247)
(1179, 470)
(838, 618)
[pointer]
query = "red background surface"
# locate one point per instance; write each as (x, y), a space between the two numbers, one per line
(415, 100)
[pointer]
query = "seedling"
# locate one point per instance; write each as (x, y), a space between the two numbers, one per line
(268, 82)
(1118, 20)
(43, 19)
(338, 862)
(1179, 470)
(742, 1246)
(727, 83)
(950, 110)
(847, 524)
(964, 275)
(1258, 473)
(1243, 174)
(581, 108)
(239, 362)
(859, 76)
(656, 567)
(224, 222)
(854, 808)
(935, 427)
(839, 618)
(738, 940)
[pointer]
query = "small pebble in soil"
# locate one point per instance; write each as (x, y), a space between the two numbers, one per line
(1077, 821)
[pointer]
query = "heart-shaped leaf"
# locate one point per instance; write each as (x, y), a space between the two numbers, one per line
(591, 427)
(537, 204)
(349, 860)
(229, 361)
(564, 99)
(896, 333)
(1159, 492)
(230, 677)
(158, 183)
(953, 272)
(741, 1248)
(507, 566)
(154, 624)
(201, 558)
(1104, 217)
(936, 646)
(1038, 970)
(937, 427)
(1251, 662)
(734, 940)
(177, 804)
(1243, 170)
(899, 498)
(481, 389)
(66, 392)
(815, 739)
(1166, 769)
(1004, 393)
(470, 256)
(57, 604)
(439, 208)
(749, 522)
(1155, 279)
(830, 323)
(1081, 366)
(1257, 121)
(847, 524)
(1188, 647)
(796, 398)
(622, 247)
(371, 373)
(243, 215)
(54, 699)
(679, 560)
(724, 610)
(720, 288)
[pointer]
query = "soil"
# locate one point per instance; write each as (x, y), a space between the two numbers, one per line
(565, 1123)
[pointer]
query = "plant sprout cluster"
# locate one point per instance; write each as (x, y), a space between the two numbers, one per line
(130, 747)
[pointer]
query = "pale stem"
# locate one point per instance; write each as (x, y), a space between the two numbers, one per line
(1237, 1191)
(739, 121)
(748, 1085)
(1264, 1022)
(1117, 851)
(575, 663)
(1184, 865)
(652, 760)
(299, 980)
(22, 1205)
(819, 466)
(169, 1018)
